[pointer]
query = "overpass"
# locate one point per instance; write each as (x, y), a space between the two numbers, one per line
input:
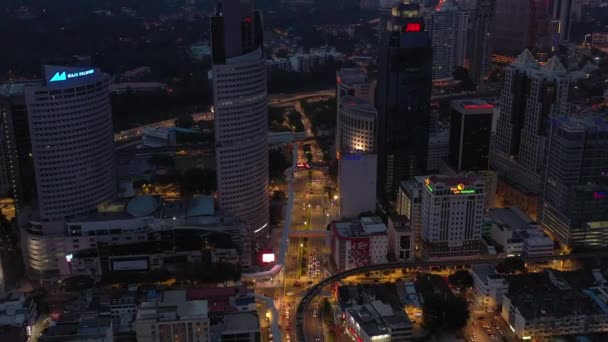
(316, 289)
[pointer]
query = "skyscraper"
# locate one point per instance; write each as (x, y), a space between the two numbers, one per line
(532, 30)
(355, 83)
(241, 113)
(71, 133)
(356, 143)
(470, 129)
(15, 146)
(480, 40)
(531, 95)
(562, 11)
(575, 192)
(403, 99)
(449, 25)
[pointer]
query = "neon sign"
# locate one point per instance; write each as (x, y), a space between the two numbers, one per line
(64, 76)
(427, 183)
(352, 157)
(412, 27)
(460, 189)
(600, 195)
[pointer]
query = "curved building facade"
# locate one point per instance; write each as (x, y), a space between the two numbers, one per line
(358, 125)
(241, 112)
(70, 123)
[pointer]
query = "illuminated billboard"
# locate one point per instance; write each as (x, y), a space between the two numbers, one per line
(268, 258)
(68, 76)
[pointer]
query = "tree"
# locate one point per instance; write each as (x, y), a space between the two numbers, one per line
(278, 162)
(511, 265)
(278, 195)
(184, 121)
(439, 313)
(461, 279)
(327, 312)
(456, 313)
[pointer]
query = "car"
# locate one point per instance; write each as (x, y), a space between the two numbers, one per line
(317, 338)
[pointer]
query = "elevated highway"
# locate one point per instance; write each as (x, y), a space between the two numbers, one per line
(316, 289)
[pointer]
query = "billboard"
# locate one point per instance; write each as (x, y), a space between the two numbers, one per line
(268, 257)
(55, 75)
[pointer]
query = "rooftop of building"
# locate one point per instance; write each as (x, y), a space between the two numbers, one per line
(176, 303)
(201, 206)
(83, 329)
(553, 294)
(553, 67)
(241, 322)
(453, 180)
(472, 106)
(400, 223)
(588, 121)
(365, 226)
(485, 271)
(512, 217)
(16, 88)
(347, 75)
(363, 108)
(376, 307)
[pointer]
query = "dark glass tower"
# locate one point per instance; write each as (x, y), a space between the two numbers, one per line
(403, 99)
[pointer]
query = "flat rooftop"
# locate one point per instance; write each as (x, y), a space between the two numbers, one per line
(366, 226)
(241, 322)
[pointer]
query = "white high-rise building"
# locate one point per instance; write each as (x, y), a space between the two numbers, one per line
(356, 143)
(531, 96)
(452, 216)
(241, 113)
(70, 124)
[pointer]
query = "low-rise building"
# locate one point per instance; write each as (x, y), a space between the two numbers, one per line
(240, 326)
(18, 311)
(542, 305)
(173, 318)
(401, 240)
(409, 204)
(122, 307)
(359, 242)
(489, 287)
(79, 328)
(373, 313)
(518, 234)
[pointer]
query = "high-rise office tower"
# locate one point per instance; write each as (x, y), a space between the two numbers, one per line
(241, 113)
(351, 82)
(356, 143)
(403, 99)
(470, 130)
(452, 212)
(531, 95)
(562, 11)
(449, 27)
(480, 40)
(575, 193)
(15, 148)
(532, 30)
(71, 133)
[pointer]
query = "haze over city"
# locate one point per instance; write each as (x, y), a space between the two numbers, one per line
(303, 170)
